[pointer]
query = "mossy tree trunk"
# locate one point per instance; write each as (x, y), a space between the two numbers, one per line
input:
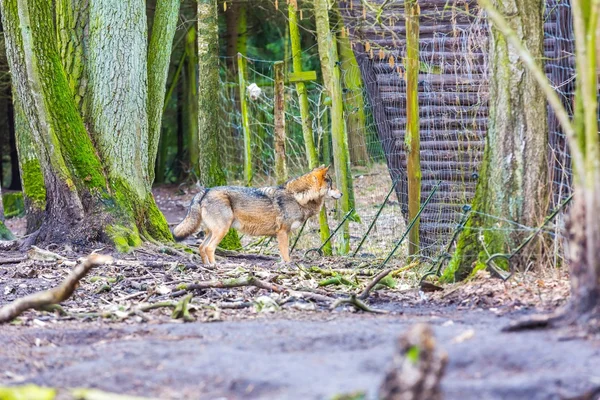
(190, 93)
(211, 171)
(412, 138)
(354, 102)
(159, 58)
(332, 79)
(583, 226)
(85, 97)
(513, 179)
(307, 131)
(32, 180)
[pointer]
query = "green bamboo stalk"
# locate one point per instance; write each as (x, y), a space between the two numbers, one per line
(307, 131)
(412, 139)
(245, 121)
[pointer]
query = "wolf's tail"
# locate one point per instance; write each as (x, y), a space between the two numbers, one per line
(193, 219)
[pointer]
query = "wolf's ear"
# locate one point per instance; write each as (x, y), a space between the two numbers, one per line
(321, 171)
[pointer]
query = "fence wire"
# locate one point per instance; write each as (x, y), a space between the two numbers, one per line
(453, 107)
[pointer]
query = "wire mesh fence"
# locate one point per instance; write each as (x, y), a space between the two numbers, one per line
(453, 110)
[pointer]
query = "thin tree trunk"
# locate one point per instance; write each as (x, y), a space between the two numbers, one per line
(211, 172)
(512, 183)
(191, 101)
(331, 78)
(307, 131)
(159, 58)
(412, 139)
(354, 102)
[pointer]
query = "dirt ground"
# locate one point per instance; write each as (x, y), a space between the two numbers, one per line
(298, 343)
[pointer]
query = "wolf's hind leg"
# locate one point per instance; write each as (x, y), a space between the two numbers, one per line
(215, 239)
(283, 239)
(202, 248)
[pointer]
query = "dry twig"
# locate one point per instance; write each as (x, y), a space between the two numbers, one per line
(54, 295)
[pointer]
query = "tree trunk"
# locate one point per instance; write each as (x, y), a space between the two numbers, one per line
(211, 172)
(513, 176)
(354, 102)
(159, 58)
(331, 78)
(87, 111)
(583, 225)
(32, 180)
(191, 101)
(412, 138)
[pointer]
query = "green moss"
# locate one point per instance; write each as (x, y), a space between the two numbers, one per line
(155, 222)
(231, 241)
(33, 183)
(13, 204)
(123, 238)
(5, 233)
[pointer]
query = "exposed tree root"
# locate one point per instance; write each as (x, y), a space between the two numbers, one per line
(6, 245)
(54, 295)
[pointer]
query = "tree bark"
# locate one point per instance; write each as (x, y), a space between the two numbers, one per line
(331, 78)
(211, 171)
(355, 103)
(84, 96)
(32, 180)
(513, 175)
(191, 100)
(159, 58)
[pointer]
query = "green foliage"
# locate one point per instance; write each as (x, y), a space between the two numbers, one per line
(231, 241)
(413, 354)
(13, 204)
(5, 233)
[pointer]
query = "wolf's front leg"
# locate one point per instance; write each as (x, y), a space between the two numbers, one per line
(283, 239)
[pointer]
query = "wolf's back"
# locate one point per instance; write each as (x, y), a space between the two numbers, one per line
(193, 219)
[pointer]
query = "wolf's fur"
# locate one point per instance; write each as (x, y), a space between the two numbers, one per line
(268, 211)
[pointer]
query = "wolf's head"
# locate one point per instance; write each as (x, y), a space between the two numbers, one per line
(313, 186)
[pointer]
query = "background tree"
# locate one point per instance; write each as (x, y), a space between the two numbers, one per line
(85, 97)
(583, 227)
(211, 170)
(513, 177)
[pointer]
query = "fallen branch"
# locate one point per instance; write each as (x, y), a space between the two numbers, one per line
(248, 280)
(15, 260)
(374, 282)
(359, 305)
(382, 275)
(54, 295)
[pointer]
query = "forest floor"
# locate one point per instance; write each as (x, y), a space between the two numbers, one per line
(297, 342)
